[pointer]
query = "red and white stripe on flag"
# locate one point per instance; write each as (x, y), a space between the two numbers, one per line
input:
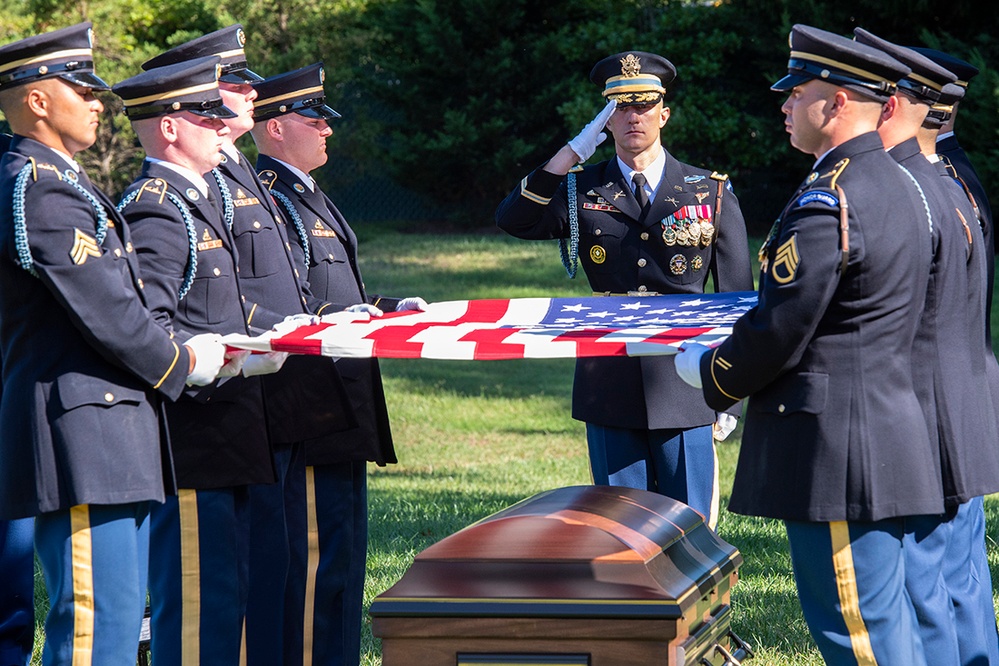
(501, 329)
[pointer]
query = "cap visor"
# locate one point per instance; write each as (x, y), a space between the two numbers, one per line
(790, 81)
(87, 79)
(321, 111)
(218, 112)
(241, 76)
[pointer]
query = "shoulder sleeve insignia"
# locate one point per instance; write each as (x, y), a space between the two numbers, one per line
(818, 196)
(786, 261)
(84, 246)
(268, 178)
(155, 187)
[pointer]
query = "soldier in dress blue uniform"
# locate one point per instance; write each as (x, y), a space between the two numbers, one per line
(950, 377)
(306, 401)
(664, 235)
(218, 432)
(17, 561)
(85, 365)
(966, 566)
(835, 443)
(292, 125)
(952, 152)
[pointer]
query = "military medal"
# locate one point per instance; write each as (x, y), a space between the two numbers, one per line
(678, 264)
(669, 236)
(597, 254)
(707, 232)
(696, 263)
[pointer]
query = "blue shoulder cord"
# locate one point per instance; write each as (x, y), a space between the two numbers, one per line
(570, 253)
(296, 221)
(20, 223)
(192, 239)
(227, 206)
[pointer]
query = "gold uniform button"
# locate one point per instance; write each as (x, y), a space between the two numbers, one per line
(142, 285)
(641, 263)
(243, 297)
(644, 236)
(642, 288)
(296, 273)
(109, 397)
(597, 232)
(256, 225)
(331, 257)
(781, 408)
(117, 252)
(288, 246)
(217, 271)
(128, 246)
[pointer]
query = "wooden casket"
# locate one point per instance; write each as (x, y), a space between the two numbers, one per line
(580, 576)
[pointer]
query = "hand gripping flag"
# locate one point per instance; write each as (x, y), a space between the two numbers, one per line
(502, 329)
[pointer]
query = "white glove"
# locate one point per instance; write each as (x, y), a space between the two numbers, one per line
(264, 364)
(291, 322)
(209, 355)
(233, 362)
(365, 308)
(688, 363)
(593, 134)
(411, 303)
(723, 427)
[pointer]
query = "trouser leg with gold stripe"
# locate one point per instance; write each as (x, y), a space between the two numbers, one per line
(198, 571)
(95, 561)
(323, 617)
(851, 584)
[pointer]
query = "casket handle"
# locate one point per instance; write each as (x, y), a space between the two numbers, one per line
(742, 651)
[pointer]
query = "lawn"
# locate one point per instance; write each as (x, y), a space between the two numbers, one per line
(473, 438)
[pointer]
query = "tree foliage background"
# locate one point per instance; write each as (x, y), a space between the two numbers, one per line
(447, 104)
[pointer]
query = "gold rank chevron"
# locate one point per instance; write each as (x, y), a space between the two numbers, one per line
(83, 246)
(787, 258)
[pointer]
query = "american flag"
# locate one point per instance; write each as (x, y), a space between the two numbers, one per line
(501, 329)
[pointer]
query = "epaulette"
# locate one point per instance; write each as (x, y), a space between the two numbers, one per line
(154, 187)
(836, 171)
(268, 178)
(577, 168)
(44, 166)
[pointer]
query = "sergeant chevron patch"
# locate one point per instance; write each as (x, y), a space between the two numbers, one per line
(786, 261)
(83, 246)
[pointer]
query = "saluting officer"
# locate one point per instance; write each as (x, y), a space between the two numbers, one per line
(306, 401)
(950, 376)
(85, 365)
(200, 538)
(965, 563)
(835, 443)
(291, 128)
(646, 224)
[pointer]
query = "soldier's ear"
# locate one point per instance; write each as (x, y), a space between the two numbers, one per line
(37, 101)
(274, 129)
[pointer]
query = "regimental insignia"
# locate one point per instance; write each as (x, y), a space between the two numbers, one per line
(209, 243)
(785, 261)
(268, 178)
(763, 255)
(631, 66)
(592, 193)
(598, 255)
(84, 245)
(696, 263)
(701, 196)
(299, 187)
(192, 194)
(320, 231)
(243, 200)
(156, 187)
(678, 264)
(600, 206)
(812, 177)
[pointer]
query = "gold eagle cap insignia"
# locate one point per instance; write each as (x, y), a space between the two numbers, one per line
(631, 65)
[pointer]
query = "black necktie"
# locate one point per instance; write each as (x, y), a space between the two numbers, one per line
(643, 199)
